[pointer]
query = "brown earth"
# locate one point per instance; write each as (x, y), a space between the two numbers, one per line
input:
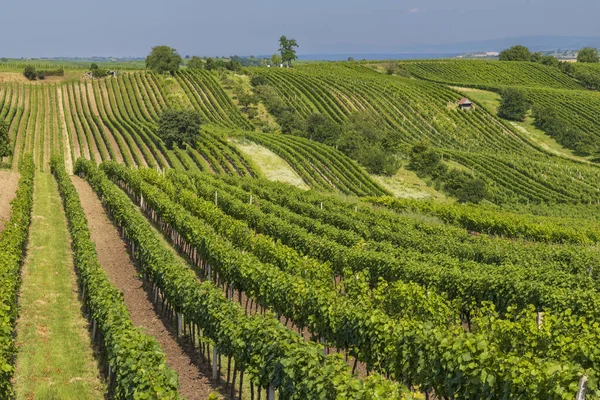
(114, 258)
(9, 181)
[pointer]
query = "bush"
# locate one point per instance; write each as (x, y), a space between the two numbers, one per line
(465, 187)
(30, 72)
(252, 113)
(322, 129)
(179, 127)
(259, 80)
(290, 122)
(99, 73)
(41, 75)
(195, 63)
(514, 105)
(364, 138)
(426, 161)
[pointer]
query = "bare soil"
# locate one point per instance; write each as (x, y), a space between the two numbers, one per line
(114, 258)
(9, 181)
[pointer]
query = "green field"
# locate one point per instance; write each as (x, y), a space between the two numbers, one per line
(280, 263)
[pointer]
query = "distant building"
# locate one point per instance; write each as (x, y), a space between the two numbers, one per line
(465, 104)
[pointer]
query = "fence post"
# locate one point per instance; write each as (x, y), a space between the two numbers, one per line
(582, 388)
(215, 366)
(179, 323)
(271, 392)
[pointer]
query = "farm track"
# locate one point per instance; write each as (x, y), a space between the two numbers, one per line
(9, 181)
(55, 359)
(115, 260)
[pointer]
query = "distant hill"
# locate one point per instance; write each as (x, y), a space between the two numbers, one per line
(448, 50)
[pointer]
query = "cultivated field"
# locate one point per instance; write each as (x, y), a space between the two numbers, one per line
(253, 264)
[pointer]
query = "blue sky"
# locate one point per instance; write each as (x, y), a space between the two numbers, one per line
(131, 27)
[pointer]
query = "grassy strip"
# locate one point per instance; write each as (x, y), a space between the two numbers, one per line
(54, 358)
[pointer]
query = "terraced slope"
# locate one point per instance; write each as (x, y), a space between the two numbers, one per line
(515, 168)
(320, 166)
(490, 74)
(116, 119)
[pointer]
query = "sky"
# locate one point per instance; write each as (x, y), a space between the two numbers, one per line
(42, 28)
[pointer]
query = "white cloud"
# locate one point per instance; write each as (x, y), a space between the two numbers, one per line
(416, 10)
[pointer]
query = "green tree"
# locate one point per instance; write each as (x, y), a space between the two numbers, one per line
(588, 55)
(549, 60)
(5, 149)
(426, 161)
(163, 59)
(516, 53)
(234, 66)
(30, 72)
(210, 64)
(258, 80)
(536, 57)
(322, 129)
(179, 127)
(196, 63)
(514, 105)
(290, 122)
(364, 139)
(464, 186)
(276, 60)
(246, 100)
(94, 66)
(287, 51)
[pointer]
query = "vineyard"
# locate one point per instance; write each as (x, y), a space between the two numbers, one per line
(320, 166)
(490, 74)
(194, 277)
(518, 171)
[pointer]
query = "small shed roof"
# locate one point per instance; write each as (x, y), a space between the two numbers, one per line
(464, 101)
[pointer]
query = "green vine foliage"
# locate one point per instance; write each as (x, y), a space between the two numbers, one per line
(264, 348)
(13, 240)
(137, 362)
(413, 346)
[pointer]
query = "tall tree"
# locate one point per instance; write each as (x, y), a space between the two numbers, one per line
(195, 63)
(514, 105)
(5, 149)
(516, 53)
(276, 60)
(588, 55)
(179, 127)
(163, 59)
(286, 49)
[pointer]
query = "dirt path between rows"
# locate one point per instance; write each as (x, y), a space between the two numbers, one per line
(9, 181)
(115, 260)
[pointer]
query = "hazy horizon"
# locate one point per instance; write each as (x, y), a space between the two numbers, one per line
(120, 29)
